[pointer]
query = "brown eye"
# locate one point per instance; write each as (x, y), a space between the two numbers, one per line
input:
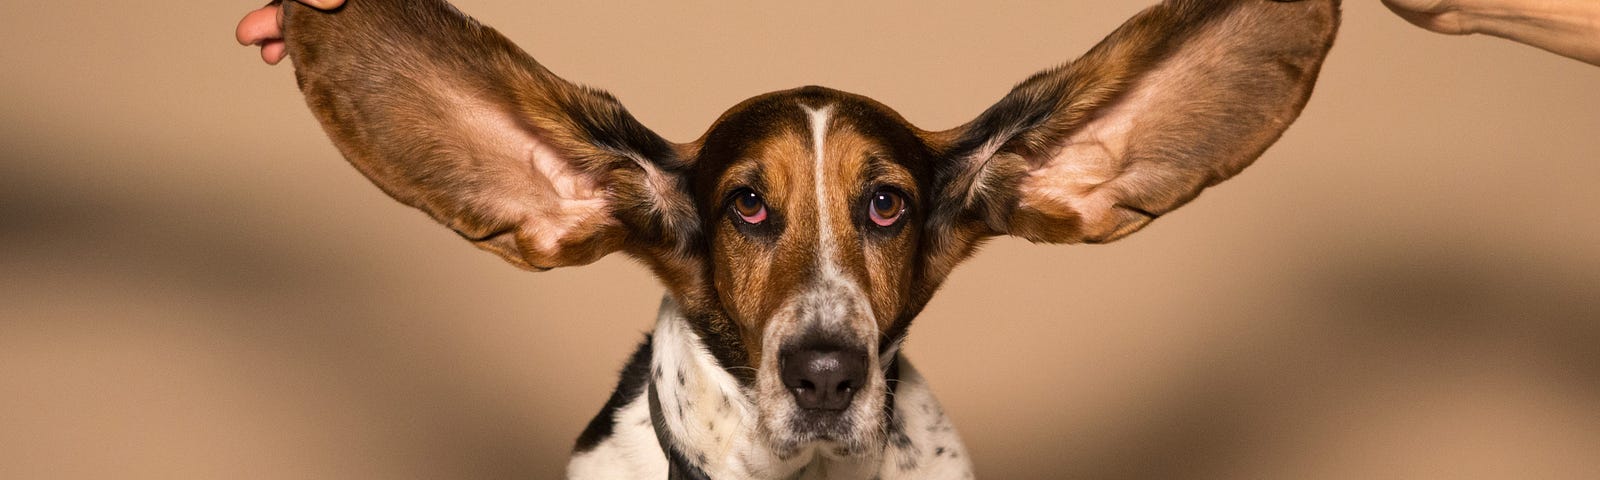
(886, 207)
(748, 205)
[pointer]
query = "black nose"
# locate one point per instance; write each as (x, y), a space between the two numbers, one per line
(824, 379)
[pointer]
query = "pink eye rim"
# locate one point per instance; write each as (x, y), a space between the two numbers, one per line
(749, 207)
(886, 207)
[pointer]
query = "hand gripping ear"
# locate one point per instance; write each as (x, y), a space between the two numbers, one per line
(1181, 97)
(446, 115)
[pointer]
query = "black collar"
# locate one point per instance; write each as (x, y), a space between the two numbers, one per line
(678, 466)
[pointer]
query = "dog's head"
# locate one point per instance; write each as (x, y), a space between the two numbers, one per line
(802, 233)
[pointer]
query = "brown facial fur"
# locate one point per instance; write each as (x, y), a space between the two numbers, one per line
(756, 269)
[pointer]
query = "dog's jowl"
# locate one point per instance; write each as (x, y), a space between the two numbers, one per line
(799, 237)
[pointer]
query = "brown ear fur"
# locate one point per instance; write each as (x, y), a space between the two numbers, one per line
(1183, 96)
(446, 115)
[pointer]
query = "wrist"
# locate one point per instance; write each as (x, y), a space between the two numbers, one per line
(1567, 27)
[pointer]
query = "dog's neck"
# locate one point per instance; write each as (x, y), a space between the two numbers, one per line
(706, 422)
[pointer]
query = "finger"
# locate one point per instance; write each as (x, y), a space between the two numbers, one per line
(273, 52)
(259, 26)
(323, 4)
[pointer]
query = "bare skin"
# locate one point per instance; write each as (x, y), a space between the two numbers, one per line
(264, 28)
(1570, 28)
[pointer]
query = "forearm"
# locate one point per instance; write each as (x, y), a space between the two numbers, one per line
(1569, 28)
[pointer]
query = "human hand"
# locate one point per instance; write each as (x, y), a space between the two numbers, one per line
(264, 27)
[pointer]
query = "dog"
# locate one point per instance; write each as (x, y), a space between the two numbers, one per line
(802, 233)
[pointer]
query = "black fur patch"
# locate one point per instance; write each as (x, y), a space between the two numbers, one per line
(635, 374)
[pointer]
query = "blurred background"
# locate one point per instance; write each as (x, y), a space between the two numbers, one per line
(196, 285)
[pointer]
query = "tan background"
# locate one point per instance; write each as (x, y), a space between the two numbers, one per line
(196, 286)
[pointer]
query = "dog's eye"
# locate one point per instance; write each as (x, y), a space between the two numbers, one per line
(886, 208)
(748, 205)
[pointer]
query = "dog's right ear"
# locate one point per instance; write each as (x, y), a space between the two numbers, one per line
(448, 116)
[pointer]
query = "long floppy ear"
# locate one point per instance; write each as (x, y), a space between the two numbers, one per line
(448, 116)
(1181, 97)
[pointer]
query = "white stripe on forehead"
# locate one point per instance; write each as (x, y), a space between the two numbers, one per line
(819, 131)
(832, 285)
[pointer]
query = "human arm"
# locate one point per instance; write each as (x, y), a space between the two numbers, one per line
(1569, 28)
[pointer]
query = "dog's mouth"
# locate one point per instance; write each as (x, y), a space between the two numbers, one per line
(823, 389)
(849, 431)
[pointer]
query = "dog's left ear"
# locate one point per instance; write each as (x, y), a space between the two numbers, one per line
(1181, 97)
